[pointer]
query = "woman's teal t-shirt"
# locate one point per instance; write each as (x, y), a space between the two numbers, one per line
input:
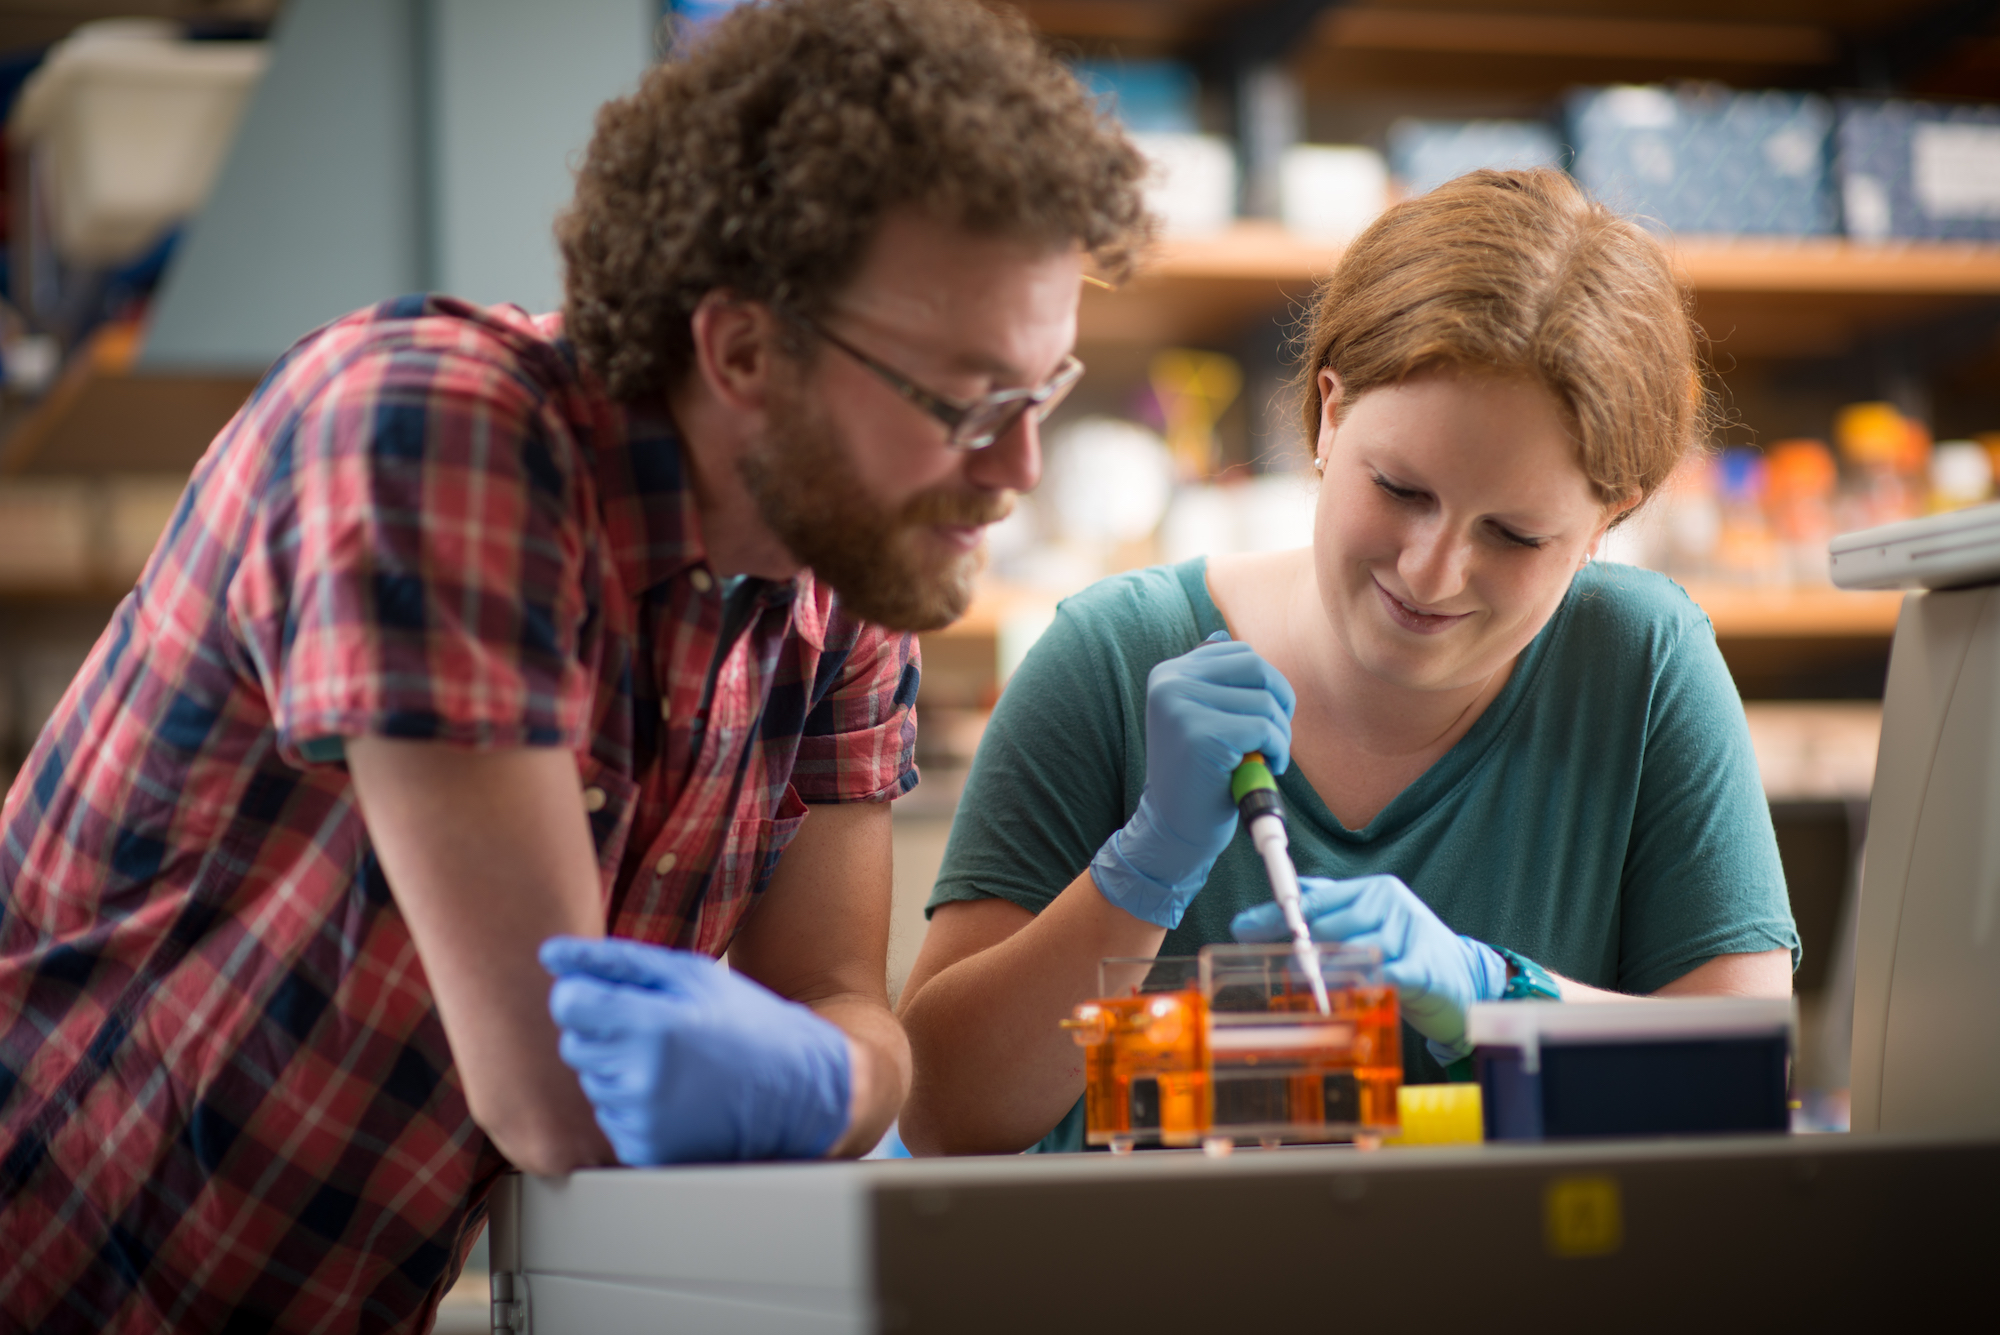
(1603, 816)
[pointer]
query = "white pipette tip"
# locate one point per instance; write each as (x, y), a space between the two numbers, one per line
(1267, 833)
(1307, 956)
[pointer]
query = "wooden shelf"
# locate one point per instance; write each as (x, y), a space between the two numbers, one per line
(1835, 267)
(1801, 613)
(81, 538)
(1756, 297)
(1818, 644)
(1254, 250)
(1738, 612)
(1763, 32)
(1530, 58)
(1459, 29)
(1158, 24)
(1819, 751)
(1513, 56)
(103, 416)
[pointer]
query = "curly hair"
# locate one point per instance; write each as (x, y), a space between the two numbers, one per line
(1521, 273)
(762, 154)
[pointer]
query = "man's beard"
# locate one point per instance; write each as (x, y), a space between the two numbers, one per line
(808, 492)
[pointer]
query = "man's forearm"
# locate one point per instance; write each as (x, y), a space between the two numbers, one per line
(879, 1072)
(820, 937)
(488, 853)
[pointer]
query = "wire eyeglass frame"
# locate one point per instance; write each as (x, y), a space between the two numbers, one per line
(968, 426)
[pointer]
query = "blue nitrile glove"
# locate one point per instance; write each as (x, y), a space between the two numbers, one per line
(1437, 972)
(1204, 711)
(687, 1062)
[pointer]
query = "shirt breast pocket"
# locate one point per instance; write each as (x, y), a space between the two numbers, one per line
(743, 868)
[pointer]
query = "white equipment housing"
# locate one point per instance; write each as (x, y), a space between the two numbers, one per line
(1262, 1239)
(1926, 1055)
(1943, 552)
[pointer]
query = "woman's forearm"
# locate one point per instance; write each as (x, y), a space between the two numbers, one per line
(1763, 973)
(994, 1068)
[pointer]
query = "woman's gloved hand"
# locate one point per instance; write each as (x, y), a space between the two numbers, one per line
(687, 1062)
(1204, 712)
(1437, 972)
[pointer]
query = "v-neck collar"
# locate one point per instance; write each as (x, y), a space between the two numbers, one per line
(1455, 767)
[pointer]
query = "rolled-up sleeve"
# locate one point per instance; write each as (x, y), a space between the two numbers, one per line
(859, 743)
(415, 569)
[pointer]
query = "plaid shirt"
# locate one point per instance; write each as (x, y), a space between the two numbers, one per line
(226, 1099)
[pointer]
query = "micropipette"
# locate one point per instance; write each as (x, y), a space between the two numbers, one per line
(1256, 794)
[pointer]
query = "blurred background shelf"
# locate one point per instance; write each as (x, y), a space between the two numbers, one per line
(1742, 611)
(1788, 297)
(1263, 250)
(1782, 643)
(1478, 45)
(104, 415)
(1735, 611)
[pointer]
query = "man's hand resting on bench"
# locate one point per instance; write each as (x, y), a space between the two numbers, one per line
(687, 1062)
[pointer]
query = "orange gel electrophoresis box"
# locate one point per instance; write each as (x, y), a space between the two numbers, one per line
(1229, 1046)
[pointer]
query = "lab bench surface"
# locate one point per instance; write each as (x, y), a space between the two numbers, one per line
(1657, 1235)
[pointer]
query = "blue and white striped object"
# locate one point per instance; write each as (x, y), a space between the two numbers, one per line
(1746, 164)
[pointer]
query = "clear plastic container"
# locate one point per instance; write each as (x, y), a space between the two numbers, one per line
(1279, 1070)
(1229, 1048)
(1145, 1053)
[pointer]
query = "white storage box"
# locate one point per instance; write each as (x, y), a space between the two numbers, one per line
(1919, 169)
(130, 126)
(1192, 185)
(1331, 193)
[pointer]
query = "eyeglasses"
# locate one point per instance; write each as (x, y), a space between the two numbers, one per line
(974, 425)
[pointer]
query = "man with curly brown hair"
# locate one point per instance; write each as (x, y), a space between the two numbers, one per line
(479, 636)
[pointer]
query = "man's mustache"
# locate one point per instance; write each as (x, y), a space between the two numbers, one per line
(956, 509)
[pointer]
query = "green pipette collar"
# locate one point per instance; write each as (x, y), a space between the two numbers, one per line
(1251, 776)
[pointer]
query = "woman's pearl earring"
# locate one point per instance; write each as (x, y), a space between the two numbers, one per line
(1319, 464)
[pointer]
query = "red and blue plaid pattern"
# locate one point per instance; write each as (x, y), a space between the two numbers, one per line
(226, 1100)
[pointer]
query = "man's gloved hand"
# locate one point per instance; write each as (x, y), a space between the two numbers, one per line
(1437, 972)
(687, 1062)
(1204, 711)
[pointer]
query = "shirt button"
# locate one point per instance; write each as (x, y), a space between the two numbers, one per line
(666, 711)
(665, 864)
(702, 581)
(593, 800)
